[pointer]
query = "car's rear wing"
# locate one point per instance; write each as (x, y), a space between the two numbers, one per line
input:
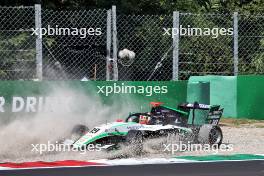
(195, 106)
(213, 115)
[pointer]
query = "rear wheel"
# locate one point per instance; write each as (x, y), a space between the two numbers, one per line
(210, 134)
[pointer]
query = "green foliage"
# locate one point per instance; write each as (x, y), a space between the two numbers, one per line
(16, 54)
(152, 6)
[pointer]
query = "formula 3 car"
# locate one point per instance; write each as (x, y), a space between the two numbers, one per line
(160, 121)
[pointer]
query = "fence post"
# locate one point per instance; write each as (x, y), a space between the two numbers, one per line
(235, 35)
(108, 45)
(175, 43)
(38, 42)
(114, 43)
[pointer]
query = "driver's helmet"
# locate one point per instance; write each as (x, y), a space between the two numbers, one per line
(143, 119)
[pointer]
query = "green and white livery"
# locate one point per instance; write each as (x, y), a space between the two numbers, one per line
(160, 121)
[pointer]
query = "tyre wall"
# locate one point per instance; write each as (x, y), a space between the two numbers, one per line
(240, 96)
(200, 92)
(223, 91)
(250, 100)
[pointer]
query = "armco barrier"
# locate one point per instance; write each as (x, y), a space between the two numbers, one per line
(20, 98)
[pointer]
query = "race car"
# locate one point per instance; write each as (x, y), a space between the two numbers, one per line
(160, 121)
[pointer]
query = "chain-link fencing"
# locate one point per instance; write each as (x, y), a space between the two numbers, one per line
(70, 56)
(158, 56)
(17, 45)
(143, 34)
(251, 44)
(198, 53)
(205, 54)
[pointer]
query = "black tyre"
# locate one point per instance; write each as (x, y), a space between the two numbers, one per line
(79, 130)
(210, 134)
(134, 141)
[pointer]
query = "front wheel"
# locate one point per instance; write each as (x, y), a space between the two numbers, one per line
(78, 131)
(134, 141)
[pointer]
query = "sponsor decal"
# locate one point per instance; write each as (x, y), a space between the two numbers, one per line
(34, 104)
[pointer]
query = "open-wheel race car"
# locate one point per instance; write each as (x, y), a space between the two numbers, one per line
(160, 121)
